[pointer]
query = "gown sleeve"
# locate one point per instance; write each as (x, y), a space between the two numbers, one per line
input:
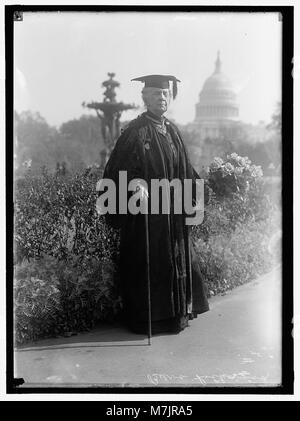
(126, 156)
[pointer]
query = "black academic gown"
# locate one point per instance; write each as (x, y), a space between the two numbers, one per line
(146, 151)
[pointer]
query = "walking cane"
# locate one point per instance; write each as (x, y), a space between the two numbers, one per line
(148, 275)
(148, 259)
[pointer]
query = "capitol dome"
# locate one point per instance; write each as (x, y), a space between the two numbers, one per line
(217, 100)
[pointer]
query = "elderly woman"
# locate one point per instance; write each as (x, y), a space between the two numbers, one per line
(151, 147)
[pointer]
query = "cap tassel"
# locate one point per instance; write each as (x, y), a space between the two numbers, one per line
(174, 88)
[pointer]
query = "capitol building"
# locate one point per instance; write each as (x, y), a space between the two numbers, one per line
(217, 111)
(217, 119)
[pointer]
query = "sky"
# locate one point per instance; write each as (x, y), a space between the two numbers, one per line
(61, 59)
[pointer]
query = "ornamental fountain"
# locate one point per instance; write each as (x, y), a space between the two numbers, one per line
(109, 112)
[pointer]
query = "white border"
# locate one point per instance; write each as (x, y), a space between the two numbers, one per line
(157, 397)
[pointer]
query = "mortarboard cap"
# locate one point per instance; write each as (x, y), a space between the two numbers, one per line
(159, 81)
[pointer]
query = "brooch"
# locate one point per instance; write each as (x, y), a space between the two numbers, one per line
(143, 134)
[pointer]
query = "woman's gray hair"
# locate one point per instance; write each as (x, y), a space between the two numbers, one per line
(147, 90)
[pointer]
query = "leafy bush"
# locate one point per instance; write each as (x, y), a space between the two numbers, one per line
(36, 299)
(233, 258)
(56, 216)
(53, 297)
(65, 255)
(89, 292)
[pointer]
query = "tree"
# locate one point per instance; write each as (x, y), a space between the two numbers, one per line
(35, 142)
(81, 141)
(77, 142)
(275, 124)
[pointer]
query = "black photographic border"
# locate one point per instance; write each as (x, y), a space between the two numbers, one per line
(287, 386)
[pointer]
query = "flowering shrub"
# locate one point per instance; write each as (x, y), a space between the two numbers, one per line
(239, 189)
(235, 175)
(240, 217)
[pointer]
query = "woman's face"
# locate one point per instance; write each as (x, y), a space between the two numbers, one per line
(157, 100)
